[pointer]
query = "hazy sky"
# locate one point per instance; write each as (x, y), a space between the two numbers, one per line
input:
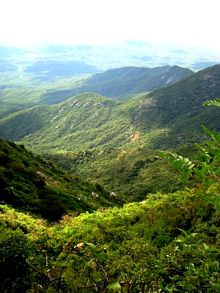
(36, 22)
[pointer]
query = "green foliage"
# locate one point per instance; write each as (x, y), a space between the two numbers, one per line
(192, 260)
(215, 102)
(139, 236)
(206, 169)
(185, 165)
(32, 184)
(127, 174)
(165, 243)
(164, 118)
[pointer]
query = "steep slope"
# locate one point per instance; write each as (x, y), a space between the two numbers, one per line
(179, 109)
(32, 184)
(124, 82)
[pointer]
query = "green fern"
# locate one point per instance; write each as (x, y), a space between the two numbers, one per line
(206, 169)
(184, 165)
(215, 102)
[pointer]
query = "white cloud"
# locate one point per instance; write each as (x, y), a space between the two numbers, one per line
(190, 22)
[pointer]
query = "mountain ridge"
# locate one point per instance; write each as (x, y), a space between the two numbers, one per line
(164, 118)
(123, 83)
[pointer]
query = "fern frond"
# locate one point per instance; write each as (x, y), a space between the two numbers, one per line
(215, 102)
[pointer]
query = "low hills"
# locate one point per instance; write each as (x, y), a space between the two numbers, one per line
(29, 183)
(123, 83)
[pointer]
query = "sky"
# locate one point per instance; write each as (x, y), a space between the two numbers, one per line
(42, 22)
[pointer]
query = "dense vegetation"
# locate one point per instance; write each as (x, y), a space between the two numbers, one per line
(129, 173)
(64, 233)
(167, 117)
(166, 243)
(32, 184)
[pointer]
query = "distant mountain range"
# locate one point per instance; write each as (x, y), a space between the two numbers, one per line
(44, 64)
(48, 70)
(133, 53)
(166, 117)
(122, 83)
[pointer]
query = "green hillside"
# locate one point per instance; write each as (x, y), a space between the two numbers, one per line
(107, 141)
(127, 173)
(179, 109)
(167, 243)
(165, 118)
(32, 184)
(122, 83)
(166, 240)
(85, 121)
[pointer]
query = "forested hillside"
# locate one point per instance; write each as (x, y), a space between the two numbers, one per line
(165, 243)
(164, 118)
(122, 219)
(29, 183)
(129, 173)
